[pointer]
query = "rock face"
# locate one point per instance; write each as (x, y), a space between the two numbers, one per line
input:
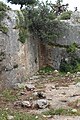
(17, 60)
(70, 33)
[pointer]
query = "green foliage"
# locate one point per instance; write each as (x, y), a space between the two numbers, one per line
(71, 48)
(61, 111)
(3, 28)
(22, 2)
(22, 35)
(43, 23)
(3, 6)
(22, 26)
(73, 62)
(9, 95)
(17, 115)
(20, 116)
(40, 20)
(65, 15)
(47, 69)
(3, 9)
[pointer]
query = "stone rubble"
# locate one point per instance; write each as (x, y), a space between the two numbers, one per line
(39, 94)
(26, 104)
(41, 103)
(29, 87)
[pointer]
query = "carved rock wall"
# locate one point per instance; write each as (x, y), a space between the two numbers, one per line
(17, 60)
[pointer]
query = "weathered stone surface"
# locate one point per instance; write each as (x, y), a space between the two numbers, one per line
(31, 55)
(41, 103)
(78, 84)
(14, 53)
(17, 103)
(34, 77)
(29, 86)
(26, 104)
(39, 94)
(70, 34)
(19, 85)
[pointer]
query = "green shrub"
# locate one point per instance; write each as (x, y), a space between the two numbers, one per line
(47, 69)
(3, 7)
(65, 15)
(2, 14)
(3, 28)
(73, 63)
(9, 95)
(22, 26)
(18, 115)
(61, 111)
(71, 48)
(22, 35)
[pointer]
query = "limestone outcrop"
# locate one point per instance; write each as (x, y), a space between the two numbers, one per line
(70, 34)
(17, 60)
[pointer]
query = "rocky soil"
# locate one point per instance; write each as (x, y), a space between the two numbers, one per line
(53, 96)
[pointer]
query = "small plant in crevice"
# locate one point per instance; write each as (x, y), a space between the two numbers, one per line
(3, 28)
(22, 26)
(72, 48)
(2, 56)
(22, 35)
(3, 9)
(73, 63)
(47, 69)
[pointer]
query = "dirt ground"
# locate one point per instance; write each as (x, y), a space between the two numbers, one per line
(61, 91)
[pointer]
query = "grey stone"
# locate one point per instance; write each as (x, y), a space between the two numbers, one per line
(74, 110)
(19, 85)
(17, 103)
(34, 77)
(41, 103)
(29, 86)
(10, 117)
(53, 86)
(26, 104)
(39, 94)
(78, 84)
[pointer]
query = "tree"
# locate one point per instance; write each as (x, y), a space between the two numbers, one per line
(22, 2)
(58, 8)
